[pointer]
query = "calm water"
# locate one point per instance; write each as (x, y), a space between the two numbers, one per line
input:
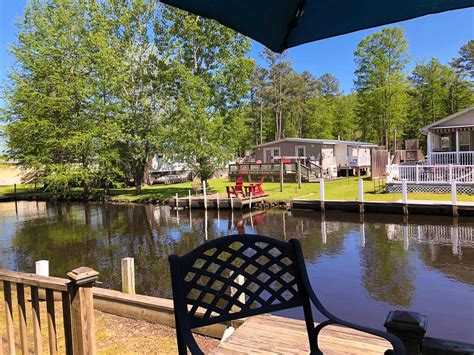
(361, 271)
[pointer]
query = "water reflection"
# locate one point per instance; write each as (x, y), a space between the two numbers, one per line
(362, 266)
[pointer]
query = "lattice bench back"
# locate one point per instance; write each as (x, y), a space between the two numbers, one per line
(208, 283)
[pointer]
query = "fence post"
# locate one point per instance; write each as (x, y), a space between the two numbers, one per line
(417, 173)
(205, 194)
(128, 275)
(321, 194)
(42, 267)
(82, 309)
(361, 196)
(454, 198)
(405, 196)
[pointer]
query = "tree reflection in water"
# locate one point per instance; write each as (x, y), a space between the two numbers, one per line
(393, 255)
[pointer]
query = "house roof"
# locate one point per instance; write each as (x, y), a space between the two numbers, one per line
(319, 141)
(464, 118)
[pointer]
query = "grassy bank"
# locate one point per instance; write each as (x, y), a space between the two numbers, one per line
(342, 189)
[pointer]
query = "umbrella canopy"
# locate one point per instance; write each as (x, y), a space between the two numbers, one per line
(281, 24)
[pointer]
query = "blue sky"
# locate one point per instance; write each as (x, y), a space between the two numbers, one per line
(439, 36)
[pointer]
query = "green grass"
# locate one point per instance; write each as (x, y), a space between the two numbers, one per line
(341, 189)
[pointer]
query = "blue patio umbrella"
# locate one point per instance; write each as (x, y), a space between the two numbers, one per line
(281, 24)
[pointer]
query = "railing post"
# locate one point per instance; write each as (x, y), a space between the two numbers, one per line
(410, 327)
(417, 173)
(42, 267)
(128, 275)
(82, 309)
(450, 172)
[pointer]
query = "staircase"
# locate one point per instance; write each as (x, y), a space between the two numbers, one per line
(311, 173)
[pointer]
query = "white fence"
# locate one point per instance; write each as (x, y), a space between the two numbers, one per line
(445, 158)
(426, 174)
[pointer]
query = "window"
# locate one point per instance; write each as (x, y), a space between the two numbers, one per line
(464, 141)
(300, 151)
(445, 143)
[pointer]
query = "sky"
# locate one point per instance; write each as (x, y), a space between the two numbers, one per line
(440, 35)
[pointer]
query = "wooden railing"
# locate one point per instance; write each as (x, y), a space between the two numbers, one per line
(76, 297)
(272, 169)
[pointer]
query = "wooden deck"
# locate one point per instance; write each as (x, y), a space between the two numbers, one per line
(215, 201)
(269, 334)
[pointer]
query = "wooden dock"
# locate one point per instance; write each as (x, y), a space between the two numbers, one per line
(422, 207)
(268, 334)
(215, 201)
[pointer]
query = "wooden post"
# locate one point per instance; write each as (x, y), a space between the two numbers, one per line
(250, 201)
(189, 199)
(454, 198)
(177, 201)
(299, 173)
(321, 194)
(82, 309)
(217, 201)
(42, 267)
(231, 203)
(405, 196)
(361, 196)
(205, 194)
(14, 190)
(281, 174)
(128, 275)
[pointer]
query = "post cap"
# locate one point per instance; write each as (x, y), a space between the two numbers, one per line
(406, 321)
(83, 275)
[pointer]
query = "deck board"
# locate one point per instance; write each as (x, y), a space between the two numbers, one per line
(268, 334)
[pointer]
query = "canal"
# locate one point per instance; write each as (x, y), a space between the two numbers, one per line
(360, 269)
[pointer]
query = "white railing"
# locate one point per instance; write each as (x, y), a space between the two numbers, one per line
(459, 158)
(426, 174)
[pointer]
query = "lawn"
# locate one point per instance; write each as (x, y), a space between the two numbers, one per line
(341, 189)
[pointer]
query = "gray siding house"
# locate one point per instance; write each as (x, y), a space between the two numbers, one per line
(330, 155)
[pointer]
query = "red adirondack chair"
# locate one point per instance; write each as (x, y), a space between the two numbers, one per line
(237, 189)
(255, 189)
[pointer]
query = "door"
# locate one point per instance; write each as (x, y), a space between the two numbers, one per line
(269, 153)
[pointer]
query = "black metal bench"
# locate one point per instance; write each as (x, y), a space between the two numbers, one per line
(207, 289)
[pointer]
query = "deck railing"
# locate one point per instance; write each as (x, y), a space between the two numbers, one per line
(426, 174)
(272, 169)
(446, 158)
(76, 297)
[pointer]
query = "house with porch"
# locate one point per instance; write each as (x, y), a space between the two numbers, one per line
(450, 158)
(451, 139)
(318, 158)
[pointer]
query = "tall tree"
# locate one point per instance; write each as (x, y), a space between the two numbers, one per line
(211, 78)
(381, 86)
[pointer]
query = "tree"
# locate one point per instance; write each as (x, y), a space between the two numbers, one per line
(380, 84)
(210, 81)
(51, 124)
(465, 62)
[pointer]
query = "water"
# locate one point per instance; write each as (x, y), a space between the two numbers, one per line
(361, 271)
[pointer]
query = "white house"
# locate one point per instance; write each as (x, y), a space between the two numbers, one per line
(451, 140)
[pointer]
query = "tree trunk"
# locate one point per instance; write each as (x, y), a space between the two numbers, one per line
(86, 191)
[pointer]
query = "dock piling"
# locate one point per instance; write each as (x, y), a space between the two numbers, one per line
(231, 203)
(405, 196)
(454, 198)
(361, 196)
(189, 199)
(217, 201)
(321, 194)
(205, 194)
(128, 275)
